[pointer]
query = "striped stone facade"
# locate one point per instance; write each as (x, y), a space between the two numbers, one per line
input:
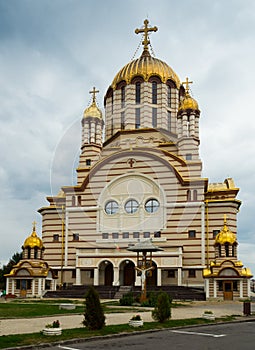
(143, 182)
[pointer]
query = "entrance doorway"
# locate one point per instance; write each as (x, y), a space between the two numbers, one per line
(129, 273)
(108, 275)
(151, 279)
(228, 290)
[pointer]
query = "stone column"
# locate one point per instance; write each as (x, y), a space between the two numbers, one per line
(78, 276)
(96, 276)
(116, 279)
(159, 277)
(179, 276)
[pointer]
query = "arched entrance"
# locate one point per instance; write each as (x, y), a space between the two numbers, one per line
(127, 273)
(151, 279)
(106, 273)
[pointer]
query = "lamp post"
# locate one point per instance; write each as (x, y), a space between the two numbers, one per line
(144, 261)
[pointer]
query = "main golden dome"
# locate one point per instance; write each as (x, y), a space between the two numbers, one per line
(33, 241)
(146, 66)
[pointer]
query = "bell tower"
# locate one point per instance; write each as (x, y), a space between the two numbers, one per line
(92, 133)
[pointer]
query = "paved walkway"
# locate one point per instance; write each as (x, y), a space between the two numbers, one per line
(192, 310)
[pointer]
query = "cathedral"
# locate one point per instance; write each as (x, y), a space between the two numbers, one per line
(139, 179)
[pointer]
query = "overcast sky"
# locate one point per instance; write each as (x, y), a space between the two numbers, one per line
(52, 52)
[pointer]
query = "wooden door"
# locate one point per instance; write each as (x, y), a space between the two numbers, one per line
(228, 290)
(108, 275)
(129, 274)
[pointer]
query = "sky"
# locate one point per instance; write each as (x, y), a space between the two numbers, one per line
(52, 52)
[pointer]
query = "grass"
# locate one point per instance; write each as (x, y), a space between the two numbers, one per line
(36, 309)
(83, 333)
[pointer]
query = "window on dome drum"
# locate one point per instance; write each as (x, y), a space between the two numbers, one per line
(154, 93)
(105, 235)
(115, 235)
(79, 200)
(192, 234)
(76, 237)
(188, 195)
(192, 273)
(168, 120)
(154, 117)
(131, 206)
(138, 93)
(137, 118)
(122, 120)
(125, 234)
(152, 205)
(123, 97)
(168, 96)
(215, 232)
(55, 238)
(112, 102)
(111, 207)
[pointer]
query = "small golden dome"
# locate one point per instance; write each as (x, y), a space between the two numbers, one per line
(225, 235)
(33, 240)
(92, 111)
(146, 66)
(188, 102)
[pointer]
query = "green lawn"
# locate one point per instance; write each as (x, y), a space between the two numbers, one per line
(82, 333)
(33, 309)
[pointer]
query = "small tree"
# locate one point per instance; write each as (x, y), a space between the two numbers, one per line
(162, 310)
(94, 317)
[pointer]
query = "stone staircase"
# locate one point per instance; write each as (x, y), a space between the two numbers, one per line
(122, 290)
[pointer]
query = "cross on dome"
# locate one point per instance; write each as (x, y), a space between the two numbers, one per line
(34, 225)
(146, 30)
(94, 92)
(187, 82)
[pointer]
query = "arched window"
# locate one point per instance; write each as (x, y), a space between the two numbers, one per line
(36, 253)
(73, 201)
(169, 96)
(79, 200)
(188, 195)
(122, 96)
(138, 92)
(154, 92)
(195, 195)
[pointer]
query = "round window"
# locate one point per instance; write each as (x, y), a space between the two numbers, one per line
(152, 205)
(131, 206)
(111, 207)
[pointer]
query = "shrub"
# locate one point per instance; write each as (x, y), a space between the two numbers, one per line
(127, 299)
(162, 310)
(94, 317)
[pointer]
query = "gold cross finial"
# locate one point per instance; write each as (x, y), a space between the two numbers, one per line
(34, 224)
(146, 30)
(187, 82)
(94, 92)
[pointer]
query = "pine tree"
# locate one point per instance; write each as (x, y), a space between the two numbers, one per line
(162, 310)
(94, 317)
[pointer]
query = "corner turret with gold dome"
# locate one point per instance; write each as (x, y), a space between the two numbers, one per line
(32, 274)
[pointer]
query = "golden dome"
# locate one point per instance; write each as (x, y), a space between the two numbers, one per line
(146, 66)
(225, 235)
(92, 111)
(188, 102)
(33, 240)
